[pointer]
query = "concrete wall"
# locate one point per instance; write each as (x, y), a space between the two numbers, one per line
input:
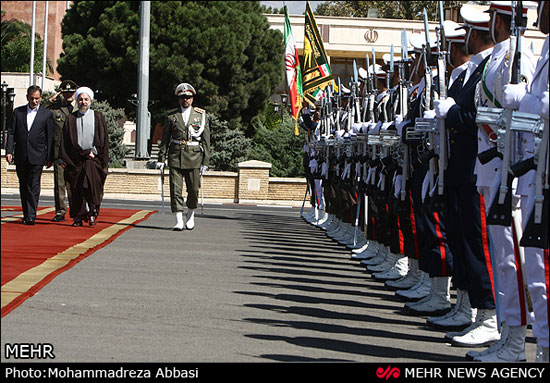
(250, 184)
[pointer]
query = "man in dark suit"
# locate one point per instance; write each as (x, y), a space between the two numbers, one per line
(30, 145)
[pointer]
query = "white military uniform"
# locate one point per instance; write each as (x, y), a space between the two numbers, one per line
(535, 264)
(513, 309)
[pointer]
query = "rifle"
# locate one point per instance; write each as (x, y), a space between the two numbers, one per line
(428, 98)
(374, 89)
(536, 230)
(404, 110)
(329, 110)
(367, 89)
(500, 212)
(338, 97)
(438, 202)
(356, 106)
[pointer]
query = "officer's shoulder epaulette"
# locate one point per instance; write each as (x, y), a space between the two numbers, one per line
(172, 111)
(199, 110)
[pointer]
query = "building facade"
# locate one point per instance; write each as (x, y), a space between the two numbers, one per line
(347, 39)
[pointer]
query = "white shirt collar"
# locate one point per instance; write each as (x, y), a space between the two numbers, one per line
(29, 110)
(501, 48)
(478, 58)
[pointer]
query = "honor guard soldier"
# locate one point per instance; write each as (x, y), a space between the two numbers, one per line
(513, 313)
(60, 107)
(531, 98)
(461, 314)
(466, 230)
(186, 143)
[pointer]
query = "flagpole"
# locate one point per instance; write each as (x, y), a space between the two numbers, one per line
(45, 45)
(33, 30)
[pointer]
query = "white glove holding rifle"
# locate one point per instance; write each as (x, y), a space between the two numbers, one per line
(544, 105)
(512, 94)
(442, 107)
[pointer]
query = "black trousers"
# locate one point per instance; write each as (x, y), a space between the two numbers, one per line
(29, 188)
(469, 243)
(436, 256)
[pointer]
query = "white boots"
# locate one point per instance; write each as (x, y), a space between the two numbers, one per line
(407, 281)
(189, 220)
(460, 317)
(542, 354)
(437, 302)
(511, 348)
(483, 332)
(179, 221)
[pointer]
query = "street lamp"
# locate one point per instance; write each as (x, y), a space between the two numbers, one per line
(5, 101)
(283, 104)
(4, 104)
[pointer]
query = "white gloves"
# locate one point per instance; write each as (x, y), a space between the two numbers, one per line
(203, 169)
(544, 105)
(442, 107)
(160, 165)
(512, 94)
(430, 114)
(398, 119)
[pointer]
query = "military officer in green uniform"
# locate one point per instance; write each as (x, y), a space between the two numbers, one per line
(186, 143)
(60, 107)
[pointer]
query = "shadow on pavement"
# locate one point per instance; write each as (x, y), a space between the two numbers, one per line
(306, 283)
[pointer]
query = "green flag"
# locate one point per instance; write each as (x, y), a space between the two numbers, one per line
(316, 71)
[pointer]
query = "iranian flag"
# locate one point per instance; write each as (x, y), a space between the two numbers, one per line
(293, 73)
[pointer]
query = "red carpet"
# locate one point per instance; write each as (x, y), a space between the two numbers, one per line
(34, 255)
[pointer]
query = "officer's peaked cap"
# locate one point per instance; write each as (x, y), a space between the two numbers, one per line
(474, 18)
(185, 89)
(68, 86)
(505, 7)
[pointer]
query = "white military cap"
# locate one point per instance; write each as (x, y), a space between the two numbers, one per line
(185, 89)
(474, 19)
(363, 73)
(345, 90)
(505, 7)
(453, 32)
(417, 40)
(377, 69)
(387, 58)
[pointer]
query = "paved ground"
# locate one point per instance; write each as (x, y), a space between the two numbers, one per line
(249, 284)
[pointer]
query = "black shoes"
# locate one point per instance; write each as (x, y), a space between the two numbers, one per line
(91, 219)
(59, 218)
(27, 222)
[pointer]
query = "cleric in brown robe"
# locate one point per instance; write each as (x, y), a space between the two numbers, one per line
(85, 153)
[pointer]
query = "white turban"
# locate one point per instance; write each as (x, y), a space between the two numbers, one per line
(84, 89)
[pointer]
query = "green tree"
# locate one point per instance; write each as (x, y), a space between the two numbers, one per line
(408, 10)
(229, 146)
(275, 142)
(226, 50)
(16, 51)
(114, 118)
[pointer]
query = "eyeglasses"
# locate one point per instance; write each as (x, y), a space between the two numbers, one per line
(185, 97)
